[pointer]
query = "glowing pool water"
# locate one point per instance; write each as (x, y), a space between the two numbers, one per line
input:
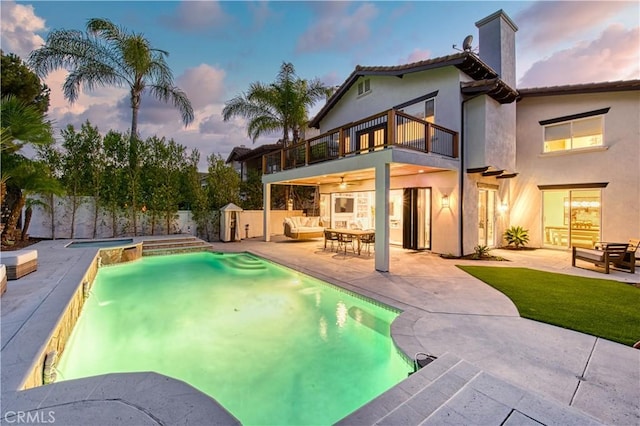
(273, 346)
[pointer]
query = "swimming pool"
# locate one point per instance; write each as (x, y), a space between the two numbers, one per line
(272, 345)
(99, 243)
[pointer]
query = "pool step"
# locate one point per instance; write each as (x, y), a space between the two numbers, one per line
(174, 246)
(450, 390)
(244, 262)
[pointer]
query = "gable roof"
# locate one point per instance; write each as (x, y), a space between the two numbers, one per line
(571, 89)
(237, 152)
(467, 62)
(243, 154)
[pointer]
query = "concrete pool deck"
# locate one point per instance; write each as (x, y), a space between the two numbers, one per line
(493, 367)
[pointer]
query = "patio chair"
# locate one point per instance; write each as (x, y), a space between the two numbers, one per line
(368, 240)
(631, 256)
(343, 241)
(633, 249)
(332, 237)
(606, 254)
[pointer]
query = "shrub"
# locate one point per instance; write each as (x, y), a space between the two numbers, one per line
(517, 236)
(480, 251)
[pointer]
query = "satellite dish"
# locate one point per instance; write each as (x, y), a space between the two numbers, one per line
(466, 44)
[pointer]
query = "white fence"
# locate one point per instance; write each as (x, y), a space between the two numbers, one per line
(182, 223)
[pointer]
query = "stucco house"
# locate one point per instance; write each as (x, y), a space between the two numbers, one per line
(445, 154)
(578, 158)
(244, 159)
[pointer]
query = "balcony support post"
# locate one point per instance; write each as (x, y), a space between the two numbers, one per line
(306, 153)
(391, 127)
(341, 143)
(282, 158)
(455, 146)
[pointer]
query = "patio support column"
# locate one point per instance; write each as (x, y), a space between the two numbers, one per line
(383, 181)
(266, 216)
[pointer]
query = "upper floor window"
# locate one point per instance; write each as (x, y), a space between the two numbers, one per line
(574, 132)
(364, 87)
(430, 110)
(423, 110)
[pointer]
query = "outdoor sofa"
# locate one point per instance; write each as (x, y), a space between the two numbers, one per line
(303, 227)
(20, 262)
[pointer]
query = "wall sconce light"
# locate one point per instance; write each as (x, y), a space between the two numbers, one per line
(503, 207)
(445, 202)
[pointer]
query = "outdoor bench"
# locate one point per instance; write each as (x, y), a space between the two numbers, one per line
(608, 254)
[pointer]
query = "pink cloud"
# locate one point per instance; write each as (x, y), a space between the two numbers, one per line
(615, 55)
(19, 25)
(333, 26)
(416, 55)
(549, 22)
(203, 85)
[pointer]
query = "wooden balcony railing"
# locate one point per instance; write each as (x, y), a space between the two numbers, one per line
(370, 134)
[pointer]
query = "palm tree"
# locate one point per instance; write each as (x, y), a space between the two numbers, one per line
(107, 55)
(279, 106)
(22, 124)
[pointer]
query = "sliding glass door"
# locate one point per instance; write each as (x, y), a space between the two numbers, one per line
(571, 218)
(416, 218)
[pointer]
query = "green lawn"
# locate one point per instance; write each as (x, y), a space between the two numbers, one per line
(603, 308)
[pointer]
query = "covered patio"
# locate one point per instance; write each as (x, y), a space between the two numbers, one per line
(379, 172)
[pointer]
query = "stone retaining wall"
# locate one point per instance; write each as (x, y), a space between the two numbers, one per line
(62, 330)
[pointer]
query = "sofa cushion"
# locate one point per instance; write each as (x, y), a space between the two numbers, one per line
(18, 257)
(297, 222)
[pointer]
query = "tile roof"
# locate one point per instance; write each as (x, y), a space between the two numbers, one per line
(468, 62)
(237, 152)
(259, 151)
(494, 87)
(607, 86)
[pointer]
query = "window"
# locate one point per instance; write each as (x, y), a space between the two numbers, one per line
(430, 110)
(423, 110)
(574, 134)
(364, 87)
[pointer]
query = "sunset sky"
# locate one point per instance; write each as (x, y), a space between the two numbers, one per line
(218, 48)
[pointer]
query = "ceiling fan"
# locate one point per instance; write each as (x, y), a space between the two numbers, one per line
(343, 184)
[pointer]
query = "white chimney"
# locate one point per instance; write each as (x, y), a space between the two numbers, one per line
(498, 45)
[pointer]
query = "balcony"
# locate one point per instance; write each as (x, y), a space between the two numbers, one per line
(380, 131)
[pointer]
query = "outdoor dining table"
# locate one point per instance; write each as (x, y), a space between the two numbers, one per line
(358, 234)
